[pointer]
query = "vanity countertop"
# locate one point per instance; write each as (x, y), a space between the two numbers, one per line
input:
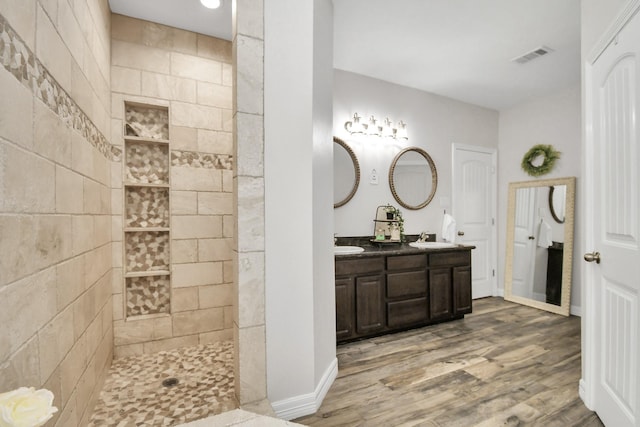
(373, 249)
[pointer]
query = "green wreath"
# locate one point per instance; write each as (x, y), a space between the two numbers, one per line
(550, 156)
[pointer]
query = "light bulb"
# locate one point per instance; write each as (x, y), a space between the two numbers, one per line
(211, 4)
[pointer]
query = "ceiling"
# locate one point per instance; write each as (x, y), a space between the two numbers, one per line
(461, 49)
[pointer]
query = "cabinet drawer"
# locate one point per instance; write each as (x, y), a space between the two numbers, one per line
(406, 313)
(358, 266)
(450, 258)
(406, 284)
(406, 261)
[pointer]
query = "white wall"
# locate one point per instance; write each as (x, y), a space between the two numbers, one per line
(554, 120)
(433, 123)
(300, 309)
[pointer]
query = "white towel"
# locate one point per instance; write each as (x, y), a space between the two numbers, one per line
(544, 235)
(448, 228)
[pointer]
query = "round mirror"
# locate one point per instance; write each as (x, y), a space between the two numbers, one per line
(346, 173)
(557, 195)
(413, 178)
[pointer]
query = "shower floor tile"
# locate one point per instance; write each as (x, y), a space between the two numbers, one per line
(133, 393)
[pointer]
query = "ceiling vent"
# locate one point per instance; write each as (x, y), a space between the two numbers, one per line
(530, 56)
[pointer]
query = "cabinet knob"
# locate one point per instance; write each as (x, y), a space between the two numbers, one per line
(460, 233)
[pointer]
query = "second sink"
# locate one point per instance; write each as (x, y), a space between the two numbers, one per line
(431, 245)
(347, 250)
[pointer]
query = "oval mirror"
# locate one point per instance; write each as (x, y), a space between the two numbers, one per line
(557, 202)
(346, 173)
(413, 178)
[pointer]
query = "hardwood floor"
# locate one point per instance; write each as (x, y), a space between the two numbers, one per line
(503, 365)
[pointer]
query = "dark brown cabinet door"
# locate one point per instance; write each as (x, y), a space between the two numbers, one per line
(461, 290)
(344, 308)
(369, 304)
(440, 293)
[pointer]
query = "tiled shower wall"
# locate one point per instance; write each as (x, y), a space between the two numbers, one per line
(56, 328)
(191, 75)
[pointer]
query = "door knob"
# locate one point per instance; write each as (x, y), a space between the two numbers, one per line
(592, 256)
(460, 233)
(531, 238)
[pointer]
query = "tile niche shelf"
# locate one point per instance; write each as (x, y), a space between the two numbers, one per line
(147, 265)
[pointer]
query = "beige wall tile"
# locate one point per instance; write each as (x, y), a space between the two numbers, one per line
(83, 313)
(116, 228)
(215, 249)
(229, 317)
(139, 331)
(214, 48)
(126, 29)
(227, 267)
(217, 142)
(194, 322)
(184, 202)
(227, 74)
(128, 350)
(194, 227)
(184, 251)
(52, 138)
(72, 367)
(54, 341)
(251, 298)
(251, 152)
(81, 90)
(91, 197)
(97, 263)
(27, 306)
(117, 282)
(116, 201)
(116, 174)
(69, 190)
(81, 155)
(227, 181)
(228, 226)
(215, 296)
(25, 192)
(116, 254)
(216, 336)
(195, 68)
(249, 75)
(215, 95)
(227, 120)
(140, 57)
(250, 345)
(215, 203)
(68, 415)
(196, 179)
(250, 214)
(82, 236)
(197, 116)
(170, 344)
(168, 87)
(203, 273)
(102, 229)
(184, 138)
(21, 15)
(16, 111)
(170, 38)
(22, 369)
(126, 80)
(69, 281)
(116, 132)
(101, 168)
(118, 307)
(184, 299)
(70, 32)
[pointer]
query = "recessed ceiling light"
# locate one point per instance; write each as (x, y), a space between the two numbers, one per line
(211, 4)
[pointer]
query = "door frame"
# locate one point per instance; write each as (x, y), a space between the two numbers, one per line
(494, 203)
(586, 387)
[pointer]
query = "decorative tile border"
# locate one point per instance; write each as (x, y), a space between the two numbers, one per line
(201, 160)
(18, 59)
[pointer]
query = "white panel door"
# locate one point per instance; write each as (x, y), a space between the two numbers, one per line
(523, 243)
(474, 206)
(615, 331)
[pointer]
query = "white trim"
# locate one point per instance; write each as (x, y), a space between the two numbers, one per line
(494, 206)
(576, 310)
(616, 26)
(306, 404)
(500, 292)
(582, 392)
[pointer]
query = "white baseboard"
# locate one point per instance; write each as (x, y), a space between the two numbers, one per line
(576, 310)
(582, 392)
(306, 404)
(500, 292)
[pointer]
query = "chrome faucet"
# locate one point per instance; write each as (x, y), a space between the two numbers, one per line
(423, 237)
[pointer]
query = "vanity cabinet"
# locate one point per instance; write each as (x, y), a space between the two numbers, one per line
(381, 294)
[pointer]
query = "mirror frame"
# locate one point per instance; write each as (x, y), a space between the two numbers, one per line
(567, 254)
(356, 167)
(434, 178)
(552, 188)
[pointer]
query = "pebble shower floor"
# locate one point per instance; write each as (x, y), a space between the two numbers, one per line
(133, 393)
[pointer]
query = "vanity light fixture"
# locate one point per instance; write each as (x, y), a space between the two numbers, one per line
(372, 128)
(355, 126)
(211, 4)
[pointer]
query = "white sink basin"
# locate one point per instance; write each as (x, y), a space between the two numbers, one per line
(431, 245)
(347, 250)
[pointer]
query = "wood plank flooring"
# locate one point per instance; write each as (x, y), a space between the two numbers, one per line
(503, 365)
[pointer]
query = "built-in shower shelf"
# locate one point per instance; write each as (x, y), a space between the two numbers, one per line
(148, 273)
(146, 140)
(138, 229)
(144, 184)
